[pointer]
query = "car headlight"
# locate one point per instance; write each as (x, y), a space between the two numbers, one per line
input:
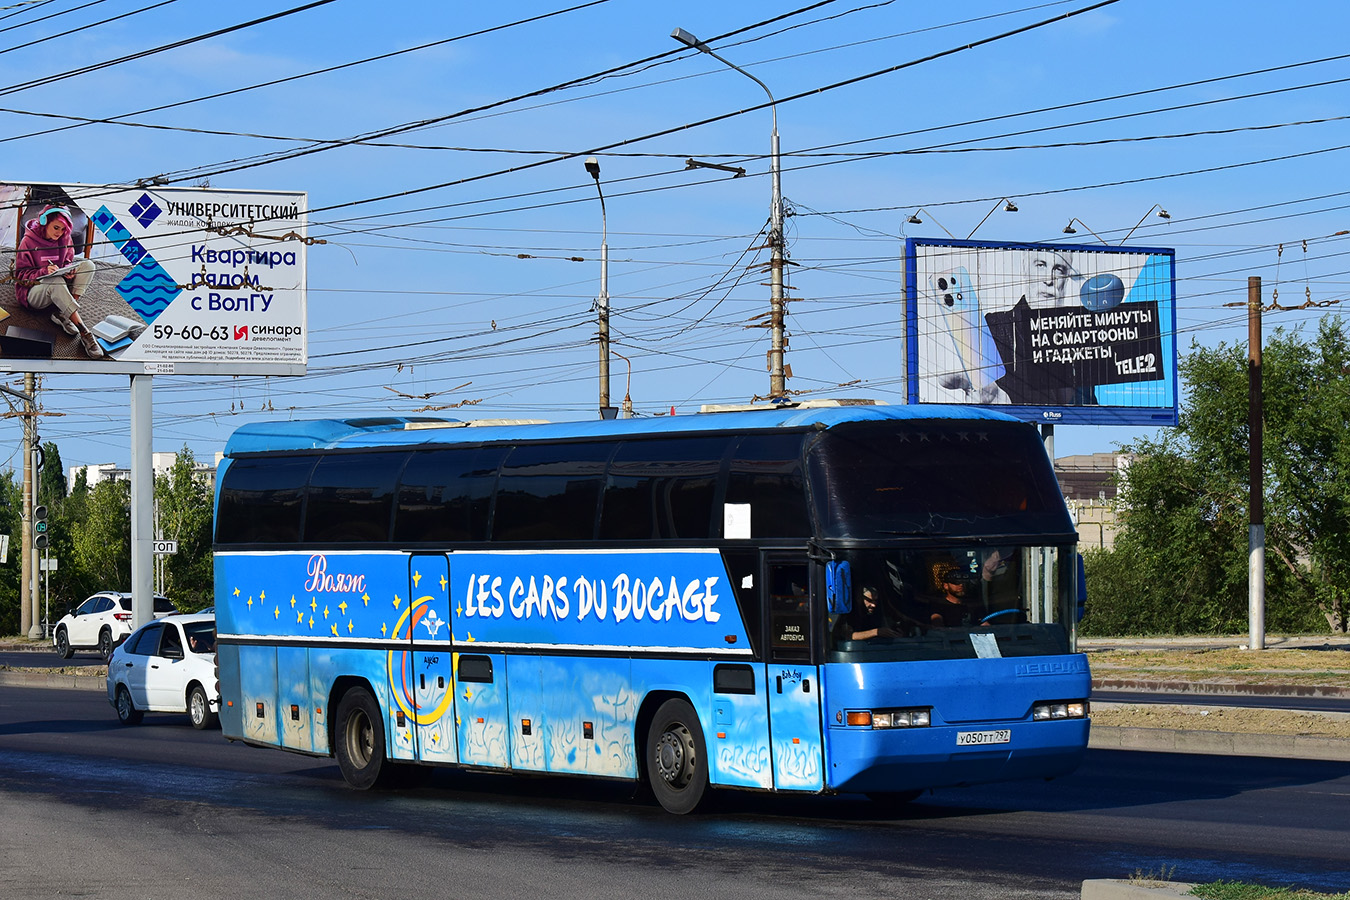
(1060, 709)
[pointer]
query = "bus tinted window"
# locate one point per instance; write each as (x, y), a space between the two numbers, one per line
(881, 479)
(766, 473)
(549, 492)
(260, 500)
(351, 496)
(445, 495)
(662, 489)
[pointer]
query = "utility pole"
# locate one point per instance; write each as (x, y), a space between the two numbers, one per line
(29, 621)
(1256, 536)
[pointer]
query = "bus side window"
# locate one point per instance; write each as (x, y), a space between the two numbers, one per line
(742, 566)
(351, 497)
(261, 500)
(550, 492)
(766, 474)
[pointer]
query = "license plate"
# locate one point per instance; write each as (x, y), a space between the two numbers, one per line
(967, 738)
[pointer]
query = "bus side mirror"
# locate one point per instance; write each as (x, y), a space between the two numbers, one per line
(838, 587)
(1082, 589)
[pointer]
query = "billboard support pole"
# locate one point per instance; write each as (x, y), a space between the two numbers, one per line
(1256, 539)
(142, 500)
(1048, 439)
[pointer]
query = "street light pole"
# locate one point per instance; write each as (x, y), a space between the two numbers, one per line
(602, 302)
(777, 382)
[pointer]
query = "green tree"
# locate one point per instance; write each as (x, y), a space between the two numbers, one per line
(11, 494)
(101, 542)
(1180, 560)
(183, 505)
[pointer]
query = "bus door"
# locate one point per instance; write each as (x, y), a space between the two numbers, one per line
(793, 682)
(425, 688)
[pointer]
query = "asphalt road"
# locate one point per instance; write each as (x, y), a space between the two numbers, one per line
(161, 810)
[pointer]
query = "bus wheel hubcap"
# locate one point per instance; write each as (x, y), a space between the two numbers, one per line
(673, 756)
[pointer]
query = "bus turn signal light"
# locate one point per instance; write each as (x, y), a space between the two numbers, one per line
(891, 718)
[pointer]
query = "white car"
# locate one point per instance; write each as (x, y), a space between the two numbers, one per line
(168, 665)
(100, 623)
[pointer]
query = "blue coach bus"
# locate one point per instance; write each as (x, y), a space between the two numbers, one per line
(850, 599)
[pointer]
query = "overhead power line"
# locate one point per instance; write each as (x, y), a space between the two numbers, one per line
(174, 45)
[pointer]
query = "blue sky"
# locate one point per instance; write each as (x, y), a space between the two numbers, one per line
(478, 295)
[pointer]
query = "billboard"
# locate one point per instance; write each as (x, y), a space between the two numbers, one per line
(152, 280)
(1044, 332)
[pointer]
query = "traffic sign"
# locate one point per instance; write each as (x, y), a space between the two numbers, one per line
(165, 548)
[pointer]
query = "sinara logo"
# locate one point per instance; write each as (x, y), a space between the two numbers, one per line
(241, 332)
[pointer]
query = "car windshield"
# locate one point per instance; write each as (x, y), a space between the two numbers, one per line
(951, 602)
(201, 637)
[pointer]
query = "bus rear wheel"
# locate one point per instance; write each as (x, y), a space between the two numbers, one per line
(359, 739)
(677, 765)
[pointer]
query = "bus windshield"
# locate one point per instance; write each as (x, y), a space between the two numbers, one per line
(880, 480)
(952, 602)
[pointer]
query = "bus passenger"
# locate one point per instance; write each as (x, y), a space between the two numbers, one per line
(867, 620)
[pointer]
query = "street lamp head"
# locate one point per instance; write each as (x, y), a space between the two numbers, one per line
(1069, 229)
(593, 166)
(687, 39)
(1011, 207)
(1164, 214)
(914, 220)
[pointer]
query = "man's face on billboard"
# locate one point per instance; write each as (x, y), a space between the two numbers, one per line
(1049, 273)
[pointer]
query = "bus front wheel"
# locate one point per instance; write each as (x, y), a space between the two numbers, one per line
(360, 739)
(677, 765)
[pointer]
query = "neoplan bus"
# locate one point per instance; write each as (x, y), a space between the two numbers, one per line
(675, 601)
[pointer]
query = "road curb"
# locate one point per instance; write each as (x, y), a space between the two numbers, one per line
(1115, 889)
(48, 680)
(1218, 743)
(1219, 688)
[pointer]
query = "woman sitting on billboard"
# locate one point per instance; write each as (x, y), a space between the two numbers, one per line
(47, 274)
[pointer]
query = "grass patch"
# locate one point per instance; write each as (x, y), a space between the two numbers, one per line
(1242, 890)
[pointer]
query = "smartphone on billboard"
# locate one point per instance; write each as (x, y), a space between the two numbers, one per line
(974, 345)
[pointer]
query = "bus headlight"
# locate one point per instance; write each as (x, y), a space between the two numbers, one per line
(1060, 709)
(891, 718)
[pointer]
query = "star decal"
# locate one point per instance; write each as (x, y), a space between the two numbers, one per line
(334, 627)
(468, 693)
(292, 601)
(299, 617)
(276, 613)
(365, 599)
(417, 579)
(236, 592)
(250, 602)
(262, 595)
(311, 621)
(384, 630)
(350, 626)
(343, 606)
(325, 612)
(443, 582)
(313, 603)
(397, 601)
